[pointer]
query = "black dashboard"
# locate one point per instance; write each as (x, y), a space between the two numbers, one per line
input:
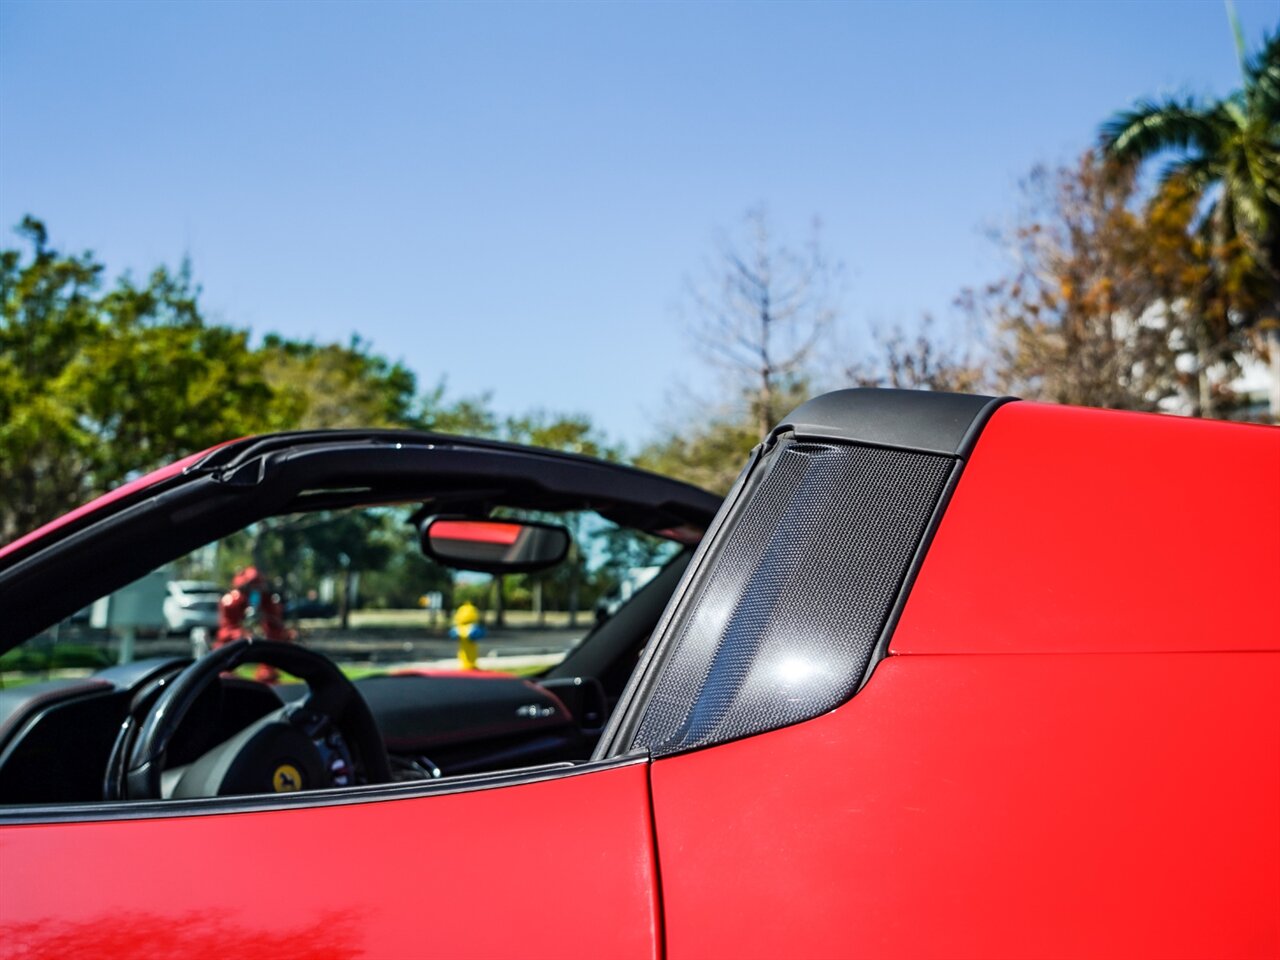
(56, 736)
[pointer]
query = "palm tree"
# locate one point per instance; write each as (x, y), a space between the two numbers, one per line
(1228, 153)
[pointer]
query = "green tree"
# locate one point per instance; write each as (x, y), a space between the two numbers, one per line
(318, 386)
(468, 416)
(100, 383)
(96, 386)
(1228, 153)
(569, 433)
(49, 307)
(708, 455)
(342, 544)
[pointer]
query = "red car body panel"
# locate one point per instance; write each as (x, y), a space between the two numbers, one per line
(1073, 748)
(1063, 535)
(1095, 790)
(1018, 806)
(558, 868)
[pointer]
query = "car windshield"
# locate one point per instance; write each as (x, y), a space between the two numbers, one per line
(356, 586)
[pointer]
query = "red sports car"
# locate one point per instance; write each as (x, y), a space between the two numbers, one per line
(943, 675)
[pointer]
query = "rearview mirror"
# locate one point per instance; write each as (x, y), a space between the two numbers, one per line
(494, 546)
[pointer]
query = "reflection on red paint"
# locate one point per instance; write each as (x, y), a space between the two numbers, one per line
(335, 935)
(551, 868)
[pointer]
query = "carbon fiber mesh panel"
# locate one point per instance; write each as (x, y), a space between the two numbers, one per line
(786, 623)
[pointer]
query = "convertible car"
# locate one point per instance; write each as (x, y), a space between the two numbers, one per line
(942, 676)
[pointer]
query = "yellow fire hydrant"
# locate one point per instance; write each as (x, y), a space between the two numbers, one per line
(467, 628)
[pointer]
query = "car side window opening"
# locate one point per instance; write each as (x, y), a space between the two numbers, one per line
(463, 671)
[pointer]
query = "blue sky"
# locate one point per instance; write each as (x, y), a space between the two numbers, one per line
(512, 196)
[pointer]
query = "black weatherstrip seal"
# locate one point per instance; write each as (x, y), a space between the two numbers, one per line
(308, 799)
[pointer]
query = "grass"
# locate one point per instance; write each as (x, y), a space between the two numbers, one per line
(38, 658)
(37, 661)
(426, 620)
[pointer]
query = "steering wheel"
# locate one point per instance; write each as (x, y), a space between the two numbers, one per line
(327, 739)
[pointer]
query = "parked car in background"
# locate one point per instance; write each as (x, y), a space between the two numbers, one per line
(191, 605)
(942, 676)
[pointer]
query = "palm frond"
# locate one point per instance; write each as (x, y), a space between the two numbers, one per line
(1262, 79)
(1267, 57)
(1133, 135)
(1197, 174)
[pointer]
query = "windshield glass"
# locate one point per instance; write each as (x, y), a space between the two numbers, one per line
(355, 586)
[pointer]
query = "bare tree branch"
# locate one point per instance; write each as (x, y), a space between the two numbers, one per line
(761, 311)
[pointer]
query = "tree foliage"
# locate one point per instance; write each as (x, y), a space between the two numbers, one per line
(319, 386)
(1097, 308)
(708, 455)
(760, 313)
(467, 416)
(709, 452)
(97, 385)
(99, 382)
(761, 310)
(570, 433)
(922, 361)
(1227, 150)
(1226, 154)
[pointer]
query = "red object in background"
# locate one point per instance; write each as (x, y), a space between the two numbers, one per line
(234, 608)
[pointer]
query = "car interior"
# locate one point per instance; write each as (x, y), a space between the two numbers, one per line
(568, 562)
